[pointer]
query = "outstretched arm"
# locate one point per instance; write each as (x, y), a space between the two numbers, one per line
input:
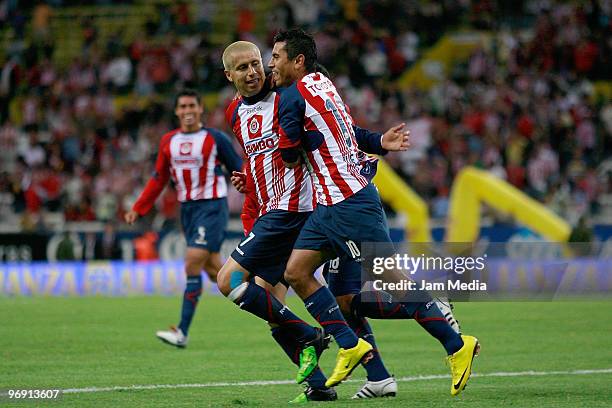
(394, 139)
(154, 186)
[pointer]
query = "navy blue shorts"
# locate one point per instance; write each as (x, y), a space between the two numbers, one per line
(266, 250)
(343, 278)
(204, 223)
(342, 227)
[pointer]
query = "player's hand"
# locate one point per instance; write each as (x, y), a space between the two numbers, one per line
(396, 139)
(131, 217)
(238, 180)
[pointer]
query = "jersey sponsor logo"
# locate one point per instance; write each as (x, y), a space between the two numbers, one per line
(187, 162)
(185, 148)
(259, 146)
(249, 111)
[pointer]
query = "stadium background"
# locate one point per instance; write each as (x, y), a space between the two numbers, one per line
(517, 88)
(521, 89)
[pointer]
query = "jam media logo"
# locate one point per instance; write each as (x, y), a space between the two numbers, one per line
(185, 148)
(254, 126)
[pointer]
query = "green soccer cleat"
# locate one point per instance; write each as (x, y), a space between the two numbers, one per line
(315, 394)
(309, 356)
(308, 362)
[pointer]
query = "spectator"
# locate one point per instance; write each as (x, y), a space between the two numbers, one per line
(144, 246)
(525, 104)
(65, 248)
(107, 246)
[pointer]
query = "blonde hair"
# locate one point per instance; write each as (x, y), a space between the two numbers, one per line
(238, 46)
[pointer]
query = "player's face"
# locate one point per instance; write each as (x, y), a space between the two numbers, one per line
(189, 112)
(247, 73)
(283, 69)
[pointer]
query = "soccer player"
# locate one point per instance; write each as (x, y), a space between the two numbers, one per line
(193, 156)
(316, 127)
(285, 202)
(380, 383)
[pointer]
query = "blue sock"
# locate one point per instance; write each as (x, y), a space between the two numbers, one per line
(192, 293)
(292, 348)
(375, 368)
(429, 316)
(379, 305)
(264, 305)
(323, 307)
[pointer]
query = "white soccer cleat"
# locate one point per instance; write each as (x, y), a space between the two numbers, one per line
(377, 389)
(446, 307)
(174, 337)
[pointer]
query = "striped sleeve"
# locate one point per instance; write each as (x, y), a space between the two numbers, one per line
(158, 180)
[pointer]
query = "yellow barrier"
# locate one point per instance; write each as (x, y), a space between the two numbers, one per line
(438, 61)
(473, 187)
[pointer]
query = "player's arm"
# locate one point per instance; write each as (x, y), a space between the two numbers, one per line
(394, 139)
(291, 111)
(227, 155)
(154, 186)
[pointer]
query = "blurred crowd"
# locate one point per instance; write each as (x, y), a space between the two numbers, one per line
(81, 139)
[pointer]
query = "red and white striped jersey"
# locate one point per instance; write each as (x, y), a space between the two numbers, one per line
(313, 116)
(254, 121)
(193, 160)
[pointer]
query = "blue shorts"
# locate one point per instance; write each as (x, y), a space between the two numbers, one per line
(204, 223)
(266, 250)
(342, 227)
(343, 278)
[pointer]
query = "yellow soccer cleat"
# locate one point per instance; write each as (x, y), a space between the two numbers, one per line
(461, 363)
(347, 360)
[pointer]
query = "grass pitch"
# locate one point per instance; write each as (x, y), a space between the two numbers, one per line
(89, 345)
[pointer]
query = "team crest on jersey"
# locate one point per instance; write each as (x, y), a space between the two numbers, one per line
(185, 148)
(254, 126)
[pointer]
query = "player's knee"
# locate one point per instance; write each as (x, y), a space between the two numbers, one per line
(223, 282)
(212, 273)
(213, 265)
(228, 281)
(292, 274)
(193, 267)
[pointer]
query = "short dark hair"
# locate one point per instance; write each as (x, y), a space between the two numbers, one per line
(297, 42)
(186, 92)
